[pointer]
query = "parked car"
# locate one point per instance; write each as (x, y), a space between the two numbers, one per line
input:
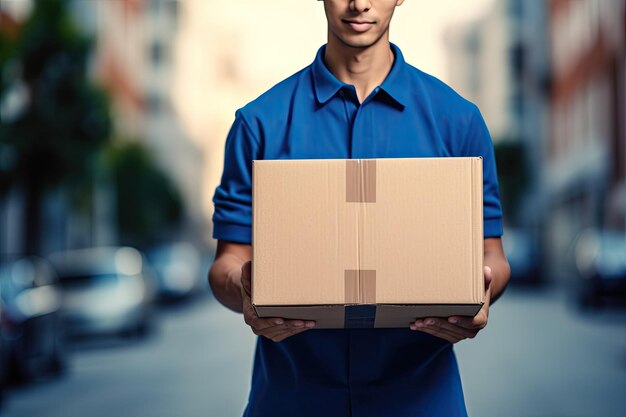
(108, 290)
(524, 256)
(32, 330)
(600, 258)
(177, 268)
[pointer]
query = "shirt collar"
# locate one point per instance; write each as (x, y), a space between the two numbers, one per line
(396, 84)
(326, 85)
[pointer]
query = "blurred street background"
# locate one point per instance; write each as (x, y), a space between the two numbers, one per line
(113, 117)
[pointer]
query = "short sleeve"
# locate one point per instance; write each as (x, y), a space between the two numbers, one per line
(232, 219)
(479, 144)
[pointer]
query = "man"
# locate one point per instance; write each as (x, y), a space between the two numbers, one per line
(358, 99)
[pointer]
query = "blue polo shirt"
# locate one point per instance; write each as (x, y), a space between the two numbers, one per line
(313, 115)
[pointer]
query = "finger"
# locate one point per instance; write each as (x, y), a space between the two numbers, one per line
(294, 323)
(451, 336)
(278, 335)
(246, 277)
(440, 333)
(462, 332)
(292, 326)
(488, 276)
(249, 314)
(258, 325)
(300, 323)
(439, 323)
(281, 331)
(270, 323)
(487, 298)
(479, 321)
(253, 320)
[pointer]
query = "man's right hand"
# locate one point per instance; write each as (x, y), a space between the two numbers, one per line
(276, 329)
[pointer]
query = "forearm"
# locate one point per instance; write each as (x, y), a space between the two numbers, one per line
(225, 281)
(500, 272)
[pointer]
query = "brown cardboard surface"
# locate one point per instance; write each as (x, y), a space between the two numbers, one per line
(387, 231)
(326, 317)
(332, 317)
(403, 315)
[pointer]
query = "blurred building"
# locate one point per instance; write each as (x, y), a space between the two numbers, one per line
(477, 55)
(500, 62)
(228, 53)
(551, 77)
(585, 176)
(11, 204)
(15, 10)
(134, 59)
(59, 230)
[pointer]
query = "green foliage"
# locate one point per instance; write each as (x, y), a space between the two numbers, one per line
(512, 175)
(55, 136)
(149, 207)
(67, 118)
(7, 45)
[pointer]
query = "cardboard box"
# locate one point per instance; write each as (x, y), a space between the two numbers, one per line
(367, 243)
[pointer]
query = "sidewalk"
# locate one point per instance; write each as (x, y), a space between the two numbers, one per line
(542, 357)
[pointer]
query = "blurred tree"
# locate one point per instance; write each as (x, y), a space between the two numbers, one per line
(64, 120)
(512, 175)
(149, 207)
(8, 34)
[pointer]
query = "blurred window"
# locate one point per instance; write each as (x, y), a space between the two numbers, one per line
(516, 9)
(172, 8)
(578, 118)
(154, 102)
(568, 125)
(154, 6)
(473, 50)
(518, 61)
(8, 289)
(517, 105)
(157, 51)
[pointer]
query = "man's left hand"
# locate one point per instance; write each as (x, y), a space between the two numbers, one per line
(456, 328)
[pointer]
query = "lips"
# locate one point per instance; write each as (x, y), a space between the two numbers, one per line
(359, 26)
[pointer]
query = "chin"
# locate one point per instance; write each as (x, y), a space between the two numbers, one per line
(360, 44)
(361, 41)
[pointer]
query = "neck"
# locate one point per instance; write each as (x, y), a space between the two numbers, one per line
(365, 68)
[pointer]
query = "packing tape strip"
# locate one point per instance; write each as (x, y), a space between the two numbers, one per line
(360, 293)
(361, 181)
(360, 286)
(362, 316)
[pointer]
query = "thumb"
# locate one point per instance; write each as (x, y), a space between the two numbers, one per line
(246, 277)
(488, 277)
